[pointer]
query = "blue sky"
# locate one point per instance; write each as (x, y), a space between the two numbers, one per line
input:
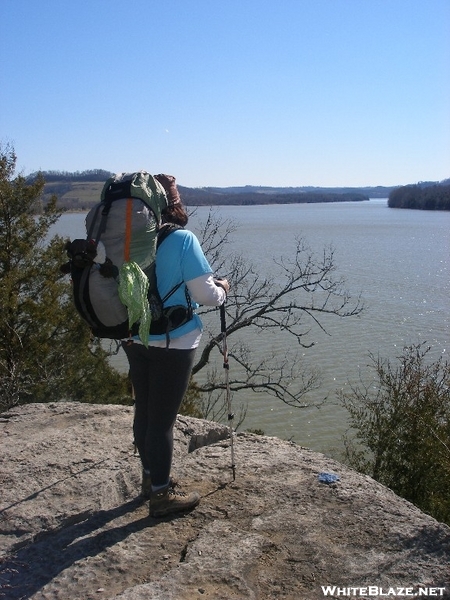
(231, 92)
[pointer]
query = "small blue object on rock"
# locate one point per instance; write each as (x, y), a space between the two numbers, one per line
(328, 478)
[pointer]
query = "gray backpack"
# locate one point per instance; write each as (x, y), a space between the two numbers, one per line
(124, 228)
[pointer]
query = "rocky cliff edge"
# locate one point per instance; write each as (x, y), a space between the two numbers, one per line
(73, 527)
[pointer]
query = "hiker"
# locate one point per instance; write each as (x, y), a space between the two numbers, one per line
(160, 373)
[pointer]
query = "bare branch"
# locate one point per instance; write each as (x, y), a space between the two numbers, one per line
(290, 300)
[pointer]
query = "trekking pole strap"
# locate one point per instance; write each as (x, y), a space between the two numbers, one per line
(223, 325)
(223, 330)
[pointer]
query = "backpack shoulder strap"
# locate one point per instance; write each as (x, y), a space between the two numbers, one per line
(165, 230)
(105, 207)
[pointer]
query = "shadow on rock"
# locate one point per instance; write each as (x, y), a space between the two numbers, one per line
(51, 552)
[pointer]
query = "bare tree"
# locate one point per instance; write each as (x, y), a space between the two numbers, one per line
(289, 301)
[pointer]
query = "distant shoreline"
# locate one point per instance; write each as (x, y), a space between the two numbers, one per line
(78, 192)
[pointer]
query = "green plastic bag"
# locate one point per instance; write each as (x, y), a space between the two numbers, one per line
(133, 289)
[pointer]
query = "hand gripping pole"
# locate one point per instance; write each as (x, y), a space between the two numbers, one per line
(226, 366)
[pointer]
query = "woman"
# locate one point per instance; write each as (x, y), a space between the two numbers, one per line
(160, 373)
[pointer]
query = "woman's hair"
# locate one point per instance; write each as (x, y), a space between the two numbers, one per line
(175, 213)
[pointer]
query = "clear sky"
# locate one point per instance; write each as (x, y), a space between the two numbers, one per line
(230, 92)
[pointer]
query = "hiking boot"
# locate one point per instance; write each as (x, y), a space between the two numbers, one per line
(168, 500)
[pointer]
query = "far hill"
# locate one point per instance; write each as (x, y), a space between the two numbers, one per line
(81, 190)
(252, 196)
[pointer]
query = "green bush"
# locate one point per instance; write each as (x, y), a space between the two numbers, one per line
(400, 429)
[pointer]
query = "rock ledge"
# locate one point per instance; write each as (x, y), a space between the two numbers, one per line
(73, 527)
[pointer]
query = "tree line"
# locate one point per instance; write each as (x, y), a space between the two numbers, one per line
(66, 176)
(64, 183)
(200, 197)
(434, 197)
(424, 195)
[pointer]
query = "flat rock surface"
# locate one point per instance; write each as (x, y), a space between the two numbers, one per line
(73, 527)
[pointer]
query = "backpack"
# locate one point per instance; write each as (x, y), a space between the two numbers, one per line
(123, 233)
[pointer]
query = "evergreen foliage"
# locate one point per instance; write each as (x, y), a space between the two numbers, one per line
(45, 349)
(401, 425)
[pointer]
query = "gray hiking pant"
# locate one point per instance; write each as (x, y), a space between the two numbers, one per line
(160, 378)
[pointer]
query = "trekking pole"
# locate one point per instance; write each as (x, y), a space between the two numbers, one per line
(226, 366)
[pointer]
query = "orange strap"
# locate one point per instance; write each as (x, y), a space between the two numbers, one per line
(128, 218)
